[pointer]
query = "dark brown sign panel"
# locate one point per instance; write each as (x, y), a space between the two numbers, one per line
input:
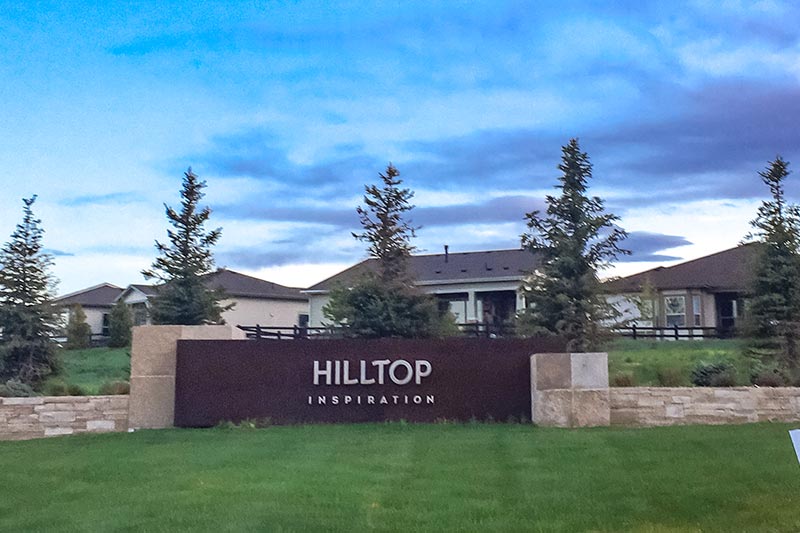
(349, 380)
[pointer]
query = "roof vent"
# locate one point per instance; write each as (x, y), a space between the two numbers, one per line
(446, 253)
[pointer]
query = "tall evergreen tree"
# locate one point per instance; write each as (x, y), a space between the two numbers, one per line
(27, 319)
(773, 313)
(385, 229)
(182, 296)
(387, 304)
(575, 239)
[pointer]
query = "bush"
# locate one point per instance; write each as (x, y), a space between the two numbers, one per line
(373, 309)
(79, 333)
(111, 388)
(120, 324)
(76, 390)
(769, 378)
(726, 378)
(670, 376)
(623, 379)
(707, 374)
(55, 387)
(16, 389)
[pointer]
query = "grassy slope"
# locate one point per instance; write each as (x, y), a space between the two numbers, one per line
(405, 478)
(92, 367)
(643, 358)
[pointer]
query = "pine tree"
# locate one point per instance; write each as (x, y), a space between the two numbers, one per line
(385, 230)
(79, 333)
(575, 239)
(120, 323)
(182, 296)
(387, 304)
(27, 319)
(773, 313)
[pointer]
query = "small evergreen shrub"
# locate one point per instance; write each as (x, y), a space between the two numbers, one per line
(16, 389)
(726, 378)
(79, 333)
(705, 374)
(769, 378)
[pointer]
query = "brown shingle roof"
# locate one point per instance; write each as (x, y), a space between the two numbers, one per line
(236, 284)
(102, 295)
(729, 270)
(459, 267)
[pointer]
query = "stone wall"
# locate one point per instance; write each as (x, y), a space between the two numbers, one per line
(28, 418)
(662, 406)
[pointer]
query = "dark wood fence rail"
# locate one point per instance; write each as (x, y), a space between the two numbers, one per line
(337, 332)
(674, 332)
(477, 329)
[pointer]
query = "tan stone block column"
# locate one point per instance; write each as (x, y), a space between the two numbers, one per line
(570, 389)
(153, 359)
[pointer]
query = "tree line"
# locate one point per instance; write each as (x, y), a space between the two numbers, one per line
(575, 238)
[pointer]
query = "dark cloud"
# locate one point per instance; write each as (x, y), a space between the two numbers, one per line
(502, 209)
(644, 246)
(258, 154)
(711, 149)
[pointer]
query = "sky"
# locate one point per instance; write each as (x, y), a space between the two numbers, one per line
(287, 109)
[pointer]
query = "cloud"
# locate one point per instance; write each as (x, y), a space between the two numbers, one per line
(101, 199)
(644, 246)
(501, 209)
(57, 253)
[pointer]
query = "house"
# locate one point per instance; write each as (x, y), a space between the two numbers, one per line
(708, 292)
(256, 301)
(477, 287)
(136, 297)
(96, 302)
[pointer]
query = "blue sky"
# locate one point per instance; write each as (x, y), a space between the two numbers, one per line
(287, 109)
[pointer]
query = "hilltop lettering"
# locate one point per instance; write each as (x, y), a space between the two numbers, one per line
(399, 372)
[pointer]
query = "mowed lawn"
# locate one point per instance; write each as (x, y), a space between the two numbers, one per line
(398, 477)
(92, 367)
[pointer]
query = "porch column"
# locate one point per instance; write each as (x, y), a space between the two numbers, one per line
(472, 307)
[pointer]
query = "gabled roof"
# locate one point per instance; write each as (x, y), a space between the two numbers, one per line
(461, 267)
(236, 284)
(102, 295)
(147, 290)
(729, 270)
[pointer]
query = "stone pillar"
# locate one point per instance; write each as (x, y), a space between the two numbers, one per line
(570, 389)
(153, 358)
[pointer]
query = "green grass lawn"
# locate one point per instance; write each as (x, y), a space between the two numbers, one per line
(397, 477)
(93, 367)
(645, 359)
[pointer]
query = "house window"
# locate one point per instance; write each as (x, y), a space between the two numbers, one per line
(696, 310)
(675, 310)
(105, 331)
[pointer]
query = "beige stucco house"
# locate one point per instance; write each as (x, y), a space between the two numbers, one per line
(96, 302)
(477, 287)
(255, 301)
(708, 292)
